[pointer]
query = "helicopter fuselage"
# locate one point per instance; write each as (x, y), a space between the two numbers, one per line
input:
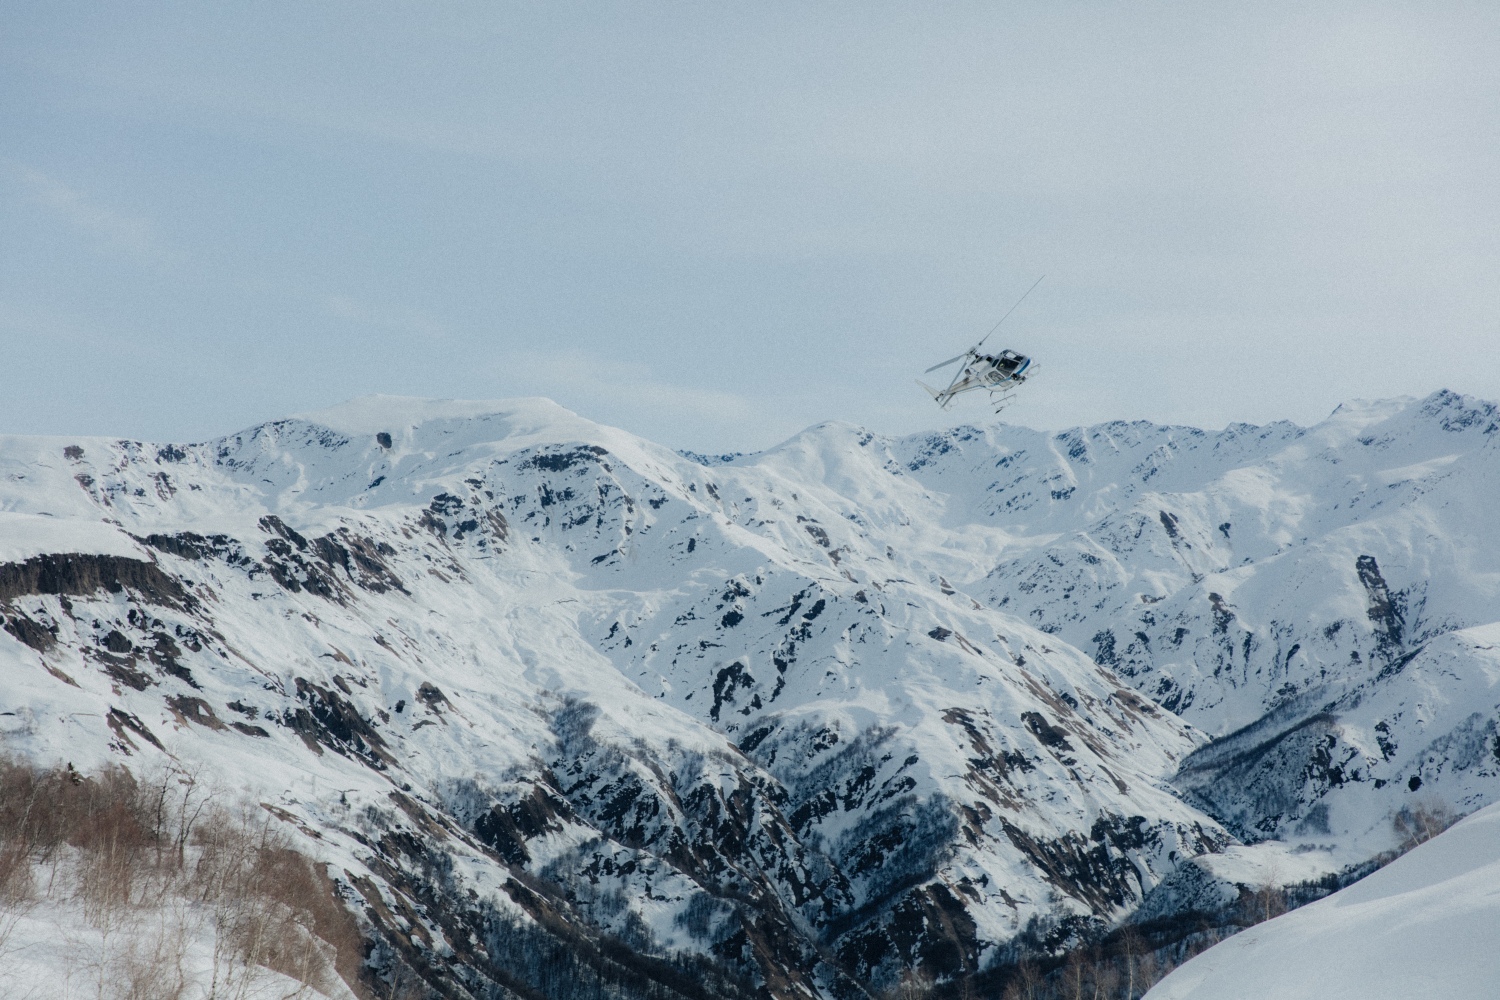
(1007, 366)
(996, 373)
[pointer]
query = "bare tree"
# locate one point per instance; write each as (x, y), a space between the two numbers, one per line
(1150, 971)
(195, 799)
(1419, 823)
(915, 984)
(1030, 979)
(1106, 979)
(1131, 946)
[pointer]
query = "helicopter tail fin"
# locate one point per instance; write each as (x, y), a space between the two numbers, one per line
(935, 394)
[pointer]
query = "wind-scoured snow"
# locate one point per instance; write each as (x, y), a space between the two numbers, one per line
(24, 536)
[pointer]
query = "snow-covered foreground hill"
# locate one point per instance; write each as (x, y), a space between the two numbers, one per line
(1424, 926)
(801, 719)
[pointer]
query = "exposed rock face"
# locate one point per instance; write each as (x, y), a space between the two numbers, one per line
(85, 574)
(788, 723)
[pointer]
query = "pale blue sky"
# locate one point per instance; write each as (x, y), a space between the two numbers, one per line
(715, 224)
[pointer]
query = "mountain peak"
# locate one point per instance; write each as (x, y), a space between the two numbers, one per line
(393, 429)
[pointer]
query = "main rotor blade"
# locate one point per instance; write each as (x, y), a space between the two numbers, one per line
(1009, 311)
(945, 364)
(956, 376)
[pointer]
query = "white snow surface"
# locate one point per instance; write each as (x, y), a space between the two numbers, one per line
(1425, 925)
(23, 536)
(50, 951)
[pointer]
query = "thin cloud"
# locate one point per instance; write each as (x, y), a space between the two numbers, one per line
(400, 320)
(115, 230)
(31, 324)
(625, 387)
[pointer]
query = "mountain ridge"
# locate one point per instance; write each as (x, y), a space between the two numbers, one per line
(796, 713)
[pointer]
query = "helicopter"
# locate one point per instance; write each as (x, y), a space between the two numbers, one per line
(999, 374)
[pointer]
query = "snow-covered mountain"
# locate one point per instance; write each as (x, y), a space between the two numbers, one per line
(801, 719)
(1319, 600)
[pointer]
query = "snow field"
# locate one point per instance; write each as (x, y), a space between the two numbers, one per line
(1425, 925)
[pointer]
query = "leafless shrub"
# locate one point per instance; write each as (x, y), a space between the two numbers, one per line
(17, 876)
(32, 807)
(318, 928)
(17, 901)
(151, 965)
(273, 907)
(151, 862)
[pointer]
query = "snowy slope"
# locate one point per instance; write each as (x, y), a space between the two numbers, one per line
(707, 711)
(1310, 596)
(1424, 926)
(812, 716)
(54, 951)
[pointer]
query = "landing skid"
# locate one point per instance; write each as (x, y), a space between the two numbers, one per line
(1002, 397)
